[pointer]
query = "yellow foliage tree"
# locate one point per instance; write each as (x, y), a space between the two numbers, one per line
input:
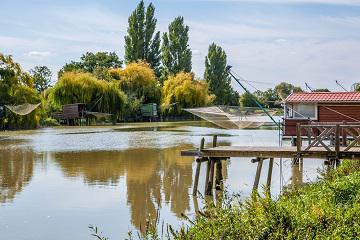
(138, 81)
(183, 91)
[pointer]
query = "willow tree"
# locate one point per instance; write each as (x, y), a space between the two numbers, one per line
(16, 88)
(138, 81)
(183, 91)
(142, 42)
(176, 52)
(218, 78)
(75, 87)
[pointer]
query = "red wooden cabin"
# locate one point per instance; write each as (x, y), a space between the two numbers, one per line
(320, 107)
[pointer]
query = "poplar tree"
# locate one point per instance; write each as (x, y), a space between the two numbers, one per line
(176, 53)
(218, 78)
(142, 43)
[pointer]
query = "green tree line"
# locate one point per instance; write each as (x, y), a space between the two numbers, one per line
(157, 68)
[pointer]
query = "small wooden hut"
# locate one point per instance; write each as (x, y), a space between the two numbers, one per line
(71, 113)
(320, 107)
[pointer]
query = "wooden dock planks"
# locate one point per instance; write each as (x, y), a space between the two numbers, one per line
(268, 152)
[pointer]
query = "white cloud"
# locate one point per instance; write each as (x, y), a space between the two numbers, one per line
(348, 21)
(38, 54)
(333, 2)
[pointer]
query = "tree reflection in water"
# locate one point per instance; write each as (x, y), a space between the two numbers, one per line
(16, 171)
(152, 176)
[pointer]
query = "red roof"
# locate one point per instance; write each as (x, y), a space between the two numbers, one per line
(324, 97)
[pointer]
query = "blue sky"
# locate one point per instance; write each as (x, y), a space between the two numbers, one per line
(267, 41)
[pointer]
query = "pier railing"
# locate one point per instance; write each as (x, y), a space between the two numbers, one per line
(331, 137)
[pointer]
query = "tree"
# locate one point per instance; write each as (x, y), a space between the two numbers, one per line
(17, 87)
(247, 100)
(183, 91)
(268, 98)
(285, 89)
(321, 90)
(95, 63)
(75, 87)
(217, 76)
(138, 81)
(42, 77)
(142, 43)
(176, 53)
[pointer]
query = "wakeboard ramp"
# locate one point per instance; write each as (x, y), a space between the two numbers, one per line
(229, 117)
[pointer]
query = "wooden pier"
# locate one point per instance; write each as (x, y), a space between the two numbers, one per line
(331, 142)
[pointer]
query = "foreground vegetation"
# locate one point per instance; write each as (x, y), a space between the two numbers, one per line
(327, 209)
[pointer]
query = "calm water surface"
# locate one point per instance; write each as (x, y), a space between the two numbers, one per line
(55, 182)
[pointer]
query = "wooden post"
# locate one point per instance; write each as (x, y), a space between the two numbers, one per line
(257, 176)
(208, 169)
(198, 165)
(271, 164)
(214, 140)
(207, 175)
(219, 176)
(197, 174)
(298, 139)
(209, 184)
(343, 131)
(211, 178)
(337, 141)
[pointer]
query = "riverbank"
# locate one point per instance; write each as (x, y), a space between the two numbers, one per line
(327, 209)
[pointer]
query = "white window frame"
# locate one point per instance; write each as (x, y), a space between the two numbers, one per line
(291, 105)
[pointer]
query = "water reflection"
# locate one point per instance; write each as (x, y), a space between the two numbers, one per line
(297, 173)
(16, 171)
(116, 178)
(152, 175)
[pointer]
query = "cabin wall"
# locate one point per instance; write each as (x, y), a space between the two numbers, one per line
(73, 111)
(290, 126)
(339, 113)
(326, 113)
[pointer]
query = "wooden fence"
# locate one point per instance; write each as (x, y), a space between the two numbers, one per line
(330, 137)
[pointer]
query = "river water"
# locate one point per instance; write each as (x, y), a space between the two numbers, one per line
(55, 182)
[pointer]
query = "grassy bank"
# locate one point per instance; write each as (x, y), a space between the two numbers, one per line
(327, 209)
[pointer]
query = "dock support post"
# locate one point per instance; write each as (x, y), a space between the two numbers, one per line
(337, 141)
(210, 172)
(258, 173)
(268, 182)
(198, 165)
(298, 139)
(219, 176)
(211, 178)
